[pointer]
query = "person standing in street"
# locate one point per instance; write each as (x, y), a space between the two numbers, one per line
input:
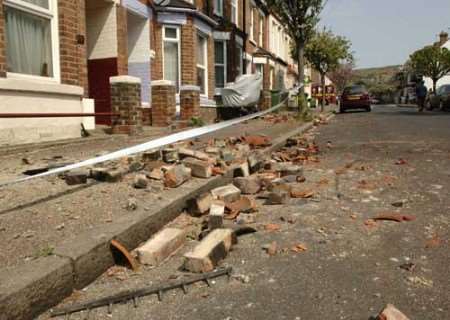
(421, 94)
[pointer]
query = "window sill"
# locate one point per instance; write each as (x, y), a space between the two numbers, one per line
(39, 86)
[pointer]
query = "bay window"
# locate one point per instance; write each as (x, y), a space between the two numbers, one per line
(220, 58)
(31, 32)
(171, 55)
(202, 63)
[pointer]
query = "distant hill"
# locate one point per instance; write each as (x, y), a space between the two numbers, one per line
(376, 75)
(381, 82)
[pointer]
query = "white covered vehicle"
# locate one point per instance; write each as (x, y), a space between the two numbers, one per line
(244, 92)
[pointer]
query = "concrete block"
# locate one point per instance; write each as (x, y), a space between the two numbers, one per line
(189, 153)
(199, 168)
(226, 155)
(248, 185)
(216, 213)
(201, 204)
(176, 176)
(164, 244)
(288, 169)
(210, 251)
(32, 287)
(228, 193)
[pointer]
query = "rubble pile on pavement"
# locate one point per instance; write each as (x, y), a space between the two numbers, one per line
(256, 181)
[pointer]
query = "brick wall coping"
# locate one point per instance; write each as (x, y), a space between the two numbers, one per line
(157, 83)
(38, 85)
(189, 87)
(124, 79)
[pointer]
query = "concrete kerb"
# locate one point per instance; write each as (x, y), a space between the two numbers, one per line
(77, 262)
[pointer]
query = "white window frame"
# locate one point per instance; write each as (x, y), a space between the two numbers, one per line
(218, 7)
(235, 12)
(52, 14)
(252, 22)
(261, 31)
(205, 60)
(175, 40)
(224, 64)
(240, 48)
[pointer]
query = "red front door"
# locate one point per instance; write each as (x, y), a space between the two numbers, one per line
(99, 72)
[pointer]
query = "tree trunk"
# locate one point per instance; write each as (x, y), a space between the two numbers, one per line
(322, 104)
(301, 76)
(434, 85)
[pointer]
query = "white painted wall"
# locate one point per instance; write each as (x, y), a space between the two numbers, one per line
(101, 24)
(23, 96)
(138, 39)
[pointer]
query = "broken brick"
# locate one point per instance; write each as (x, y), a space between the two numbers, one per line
(241, 169)
(278, 197)
(228, 193)
(199, 168)
(248, 185)
(210, 251)
(201, 204)
(216, 213)
(391, 313)
(257, 141)
(170, 155)
(76, 177)
(164, 244)
(244, 204)
(108, 175)
(176, 176)
(140, 181)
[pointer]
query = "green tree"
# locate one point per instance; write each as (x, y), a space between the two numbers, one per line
(432, 62)
(326, 52)
(300, 17)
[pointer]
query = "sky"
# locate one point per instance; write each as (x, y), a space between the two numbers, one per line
(386, 32)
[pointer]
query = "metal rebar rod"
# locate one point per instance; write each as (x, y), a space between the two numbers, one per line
(132, 294)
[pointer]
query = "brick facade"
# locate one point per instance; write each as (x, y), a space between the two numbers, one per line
(126, 100)
(72, 41)
(156, 45)
(188, 53)
(122, 41)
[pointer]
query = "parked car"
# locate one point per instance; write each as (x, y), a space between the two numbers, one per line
(441, 99)
(355, 97)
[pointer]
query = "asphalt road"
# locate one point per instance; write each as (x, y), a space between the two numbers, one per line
(352, 267)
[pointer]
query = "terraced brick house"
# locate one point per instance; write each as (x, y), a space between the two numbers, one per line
(58, 56)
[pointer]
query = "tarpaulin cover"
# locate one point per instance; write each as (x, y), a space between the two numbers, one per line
(245, 91)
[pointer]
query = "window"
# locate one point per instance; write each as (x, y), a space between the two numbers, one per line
(220, 61)
(202, 62)
(171, 55)
(260, 69)
(218, 7)
(32, 37)
(261, 30)
(239, 60)
(252, 23)
(234, 11)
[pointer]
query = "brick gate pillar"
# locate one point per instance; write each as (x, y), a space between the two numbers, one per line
(189, 102)
(163, 103)
(126, 101)
(266, 100)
